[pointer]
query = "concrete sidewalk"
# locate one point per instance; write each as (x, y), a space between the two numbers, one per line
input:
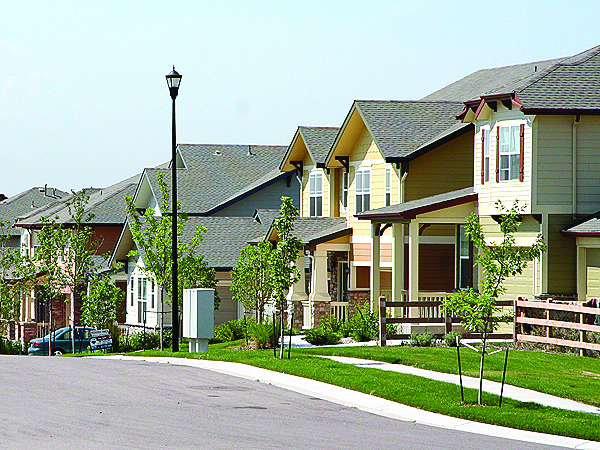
(365, 402)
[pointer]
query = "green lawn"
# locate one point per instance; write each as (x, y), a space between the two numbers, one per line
(567, 376)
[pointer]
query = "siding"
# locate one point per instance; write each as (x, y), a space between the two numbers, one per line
(445, 169)
(562, 257)
(267, 198)
(588, 165)
(305, 192)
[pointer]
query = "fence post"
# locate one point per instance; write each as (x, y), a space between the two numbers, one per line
(382, 336)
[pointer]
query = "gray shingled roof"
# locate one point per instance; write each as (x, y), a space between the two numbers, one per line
(225, 237)
(401, 128)
(432, 203)
(318, 141)
(201, 191)
(314, 230)
(589, 226)
(107, 205)
(571, 83)
(488, 81)
(266, 218)
(27, 202)
(245, 161)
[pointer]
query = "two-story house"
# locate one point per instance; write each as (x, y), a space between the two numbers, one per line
(220, 187)
(536, 135)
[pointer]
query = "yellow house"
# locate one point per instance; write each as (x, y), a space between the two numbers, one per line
(385, 153)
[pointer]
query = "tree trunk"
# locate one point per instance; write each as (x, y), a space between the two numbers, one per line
(481, 361)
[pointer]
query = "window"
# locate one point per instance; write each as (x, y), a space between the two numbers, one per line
(152, 294)
(509, 153)
(142, 296)
(131, 290)
(388, 186)
(485, 156)
(315, 194)
(344, 196)
(363, 189)
(464, 259)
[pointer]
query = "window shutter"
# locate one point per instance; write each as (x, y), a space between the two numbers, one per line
(497, 154)
(482, 156)
(522, 153)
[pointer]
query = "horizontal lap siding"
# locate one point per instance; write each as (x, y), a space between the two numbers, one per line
(562, 257)
(588, 165)
(554, 160)
(445, 169)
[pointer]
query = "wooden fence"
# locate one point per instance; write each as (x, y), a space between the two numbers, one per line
(586, 319)
(439, 320)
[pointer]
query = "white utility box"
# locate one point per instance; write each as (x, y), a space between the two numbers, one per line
(198, 317)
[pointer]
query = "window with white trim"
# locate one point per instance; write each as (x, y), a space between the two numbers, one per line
(388, 186)
(315, 194)
(142, 296)
(131, 290)
(509, 152)
(485, 137)
(362, 183)
(344, 196)
(152, 293)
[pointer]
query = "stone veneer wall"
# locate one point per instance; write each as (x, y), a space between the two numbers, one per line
(356, 299)
(298, 310)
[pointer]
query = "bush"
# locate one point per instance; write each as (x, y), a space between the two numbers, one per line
(450, 338)
(363, 325)
(327, 333)
(262, 333)
(8, 347)
(148, 340)
(231, 331)
(422, 339)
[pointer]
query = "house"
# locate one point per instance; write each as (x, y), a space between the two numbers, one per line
(232, 190)
(107, 209)
(535, 140)
(385, 152)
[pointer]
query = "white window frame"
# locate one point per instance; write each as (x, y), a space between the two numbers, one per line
(388, 186)
(486, 155)
(509, 149)
(344, 186)
(142, 298)
(362, 189)
(315, 194)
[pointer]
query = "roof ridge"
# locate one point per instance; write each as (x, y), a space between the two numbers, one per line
(582, 57)
(410, 101)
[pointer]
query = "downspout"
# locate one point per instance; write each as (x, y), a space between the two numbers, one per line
(311, 296)
(574, 149)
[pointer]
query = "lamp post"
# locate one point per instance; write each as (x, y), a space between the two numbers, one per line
(173, 81)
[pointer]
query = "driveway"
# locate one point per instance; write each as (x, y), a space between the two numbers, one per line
(58, 403)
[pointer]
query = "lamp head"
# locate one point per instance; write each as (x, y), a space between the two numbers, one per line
(173, 81)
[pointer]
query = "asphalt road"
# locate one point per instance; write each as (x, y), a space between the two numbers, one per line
(73, 403)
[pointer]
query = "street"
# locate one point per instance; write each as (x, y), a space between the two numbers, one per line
(52, 403)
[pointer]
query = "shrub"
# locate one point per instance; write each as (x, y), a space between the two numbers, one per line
(231, 331)
(363, 325)
(325, 334)
(8, 347)
(422, 339)
(450, 338)
(262, 333)
(131, 342)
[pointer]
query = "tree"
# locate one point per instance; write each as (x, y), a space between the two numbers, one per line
(67, 252)
(265, 272)
(251, 281)
(152, 235)
(101, 303)
(499, 260)
(10, 281)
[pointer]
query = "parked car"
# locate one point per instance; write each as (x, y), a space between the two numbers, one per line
(61, 342)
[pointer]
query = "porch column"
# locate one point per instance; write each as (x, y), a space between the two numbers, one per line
(581, 274)
(375, 258)
(413, 256)
(320, 293)
(544, 255)
(397, 261)
(297, 291)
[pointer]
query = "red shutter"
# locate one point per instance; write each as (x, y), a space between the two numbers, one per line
(482, 156)
(522, 154)
(497, 154)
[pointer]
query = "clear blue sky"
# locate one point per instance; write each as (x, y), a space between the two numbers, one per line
(84, 102)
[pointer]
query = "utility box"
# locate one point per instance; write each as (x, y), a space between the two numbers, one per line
(198, 317)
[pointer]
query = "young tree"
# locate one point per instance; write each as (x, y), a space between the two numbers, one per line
(67, 253)
(265, 272)
(10, 281)
(152, 235)
(101, 303)
(499, 260)
(251, 281)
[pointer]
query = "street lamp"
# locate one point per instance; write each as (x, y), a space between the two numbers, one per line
(173, 81)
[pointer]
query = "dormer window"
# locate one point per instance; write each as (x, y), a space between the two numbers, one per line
(363, 190)
(315, 194)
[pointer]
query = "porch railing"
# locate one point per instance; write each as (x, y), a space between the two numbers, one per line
(42, 329)
(339, 310)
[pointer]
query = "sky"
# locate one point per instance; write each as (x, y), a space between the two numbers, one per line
(84, 101)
